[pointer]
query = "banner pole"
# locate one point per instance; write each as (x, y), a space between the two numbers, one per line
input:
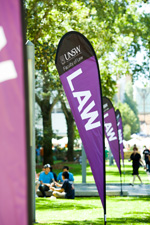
(83, 165)
(120, 143)
(105, 219)
(124, 171)
(31, 85)
(121, 192)
(28, 119)
(104, 163)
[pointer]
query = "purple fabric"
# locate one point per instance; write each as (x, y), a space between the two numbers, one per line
(111, 132)
(120, 135)
(92, 139)
(13, 188)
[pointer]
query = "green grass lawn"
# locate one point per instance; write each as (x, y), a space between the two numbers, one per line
(113, 176)
(112, 173)
(89, 211)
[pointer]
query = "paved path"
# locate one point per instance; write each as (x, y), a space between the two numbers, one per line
(90, 190)
(113, 190)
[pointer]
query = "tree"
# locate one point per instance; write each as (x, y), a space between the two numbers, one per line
(128, 98)
(127, 132)
(44, 97)
(144, 20)
(44, 29)
(131, 103)
(128, 118)
(127, 26)
(111, 26)
(46, 110)
(70, 129)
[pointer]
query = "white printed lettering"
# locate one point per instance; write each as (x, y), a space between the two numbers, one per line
(7, 68)
(118, 124)
(106, 115)
(82, 97)
(3, 40)
(110, 132)
(120, 136)
(72, 76)
(105, 105)
(92, 115)
(75, 51)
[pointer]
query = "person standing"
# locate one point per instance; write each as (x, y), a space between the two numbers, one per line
(148, 169)
(42, 154)
(148, 163)
(136, 160)
(38, 154)
(146, 152)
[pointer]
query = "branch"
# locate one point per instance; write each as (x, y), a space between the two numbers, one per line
(37, 99)
(64, 108)
(54, 102)
(41, 28)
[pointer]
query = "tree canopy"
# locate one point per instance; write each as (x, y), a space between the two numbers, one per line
(115, 28)
(129, 120)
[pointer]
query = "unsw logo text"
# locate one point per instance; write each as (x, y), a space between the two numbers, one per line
(70, 55)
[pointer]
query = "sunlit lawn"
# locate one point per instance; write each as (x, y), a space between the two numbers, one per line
(112, 173)
(89, 211)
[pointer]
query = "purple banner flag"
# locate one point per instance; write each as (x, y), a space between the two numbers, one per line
(13, 131)
(111, 130)
(120, 133)
(77, 66)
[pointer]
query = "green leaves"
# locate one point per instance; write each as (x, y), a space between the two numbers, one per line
(116, 29)
(129, 119)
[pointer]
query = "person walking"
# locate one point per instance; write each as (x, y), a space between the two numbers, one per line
(146, 152)
(136, 161)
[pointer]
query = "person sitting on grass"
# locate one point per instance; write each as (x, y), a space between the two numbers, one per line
(59, 177)
(54, 174)
(37, 183)
(46, 177)
(66, 188)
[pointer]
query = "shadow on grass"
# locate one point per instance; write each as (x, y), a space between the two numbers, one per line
(129, 220)
(100, 221)
(134, 218)
(42, 204)
(116, 173)
(130, 199)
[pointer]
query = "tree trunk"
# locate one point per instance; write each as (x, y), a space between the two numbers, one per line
(47, 132)
(46, 110)
(70, 134)
(70, 130)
